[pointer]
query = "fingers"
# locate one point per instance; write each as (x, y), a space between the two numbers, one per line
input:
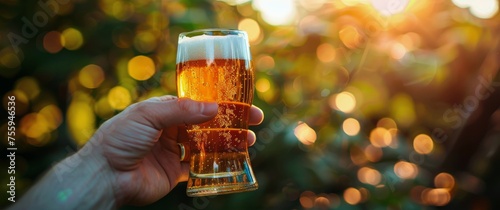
(256, 115)
(185, 151)
(251, 138)
(161, 112)
(184, 172)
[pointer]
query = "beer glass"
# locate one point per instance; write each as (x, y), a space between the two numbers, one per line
(214, 65)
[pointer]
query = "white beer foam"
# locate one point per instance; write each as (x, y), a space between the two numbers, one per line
(208, 48)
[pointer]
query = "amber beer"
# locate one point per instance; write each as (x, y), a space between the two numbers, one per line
(214, 65)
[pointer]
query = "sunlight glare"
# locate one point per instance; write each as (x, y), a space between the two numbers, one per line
(391, 7)
(276, 12)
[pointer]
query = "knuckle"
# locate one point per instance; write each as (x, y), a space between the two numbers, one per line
(139, 107)
(188, 106)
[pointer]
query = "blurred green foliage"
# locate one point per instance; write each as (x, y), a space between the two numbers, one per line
(395, 69)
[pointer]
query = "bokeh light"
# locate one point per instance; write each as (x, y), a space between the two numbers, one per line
(352, 196)
(141, 67)
(322, 202)
(29, 86)
(91, 76)
(423, 144)
(380, 137)
(103, 109)
(262, 85)
(405, 170)
(325, 53)
(38, 127)
(252, 28)
(119, 98)
(81, 121)
(388, 8)
(351, 126)
(305, 134)
(52, 115)
(52, 42)
(350, 36)
(33, 125)
(276, 12)
(369, 176)
(71, 39)
(398, 51)
(482, 9)
(387, 123)
(444, 180)
(344, 101)
(436, 197)
(307, 199)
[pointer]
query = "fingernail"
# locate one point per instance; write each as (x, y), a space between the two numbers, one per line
(251, 138)
(167, 98)
(209, 109)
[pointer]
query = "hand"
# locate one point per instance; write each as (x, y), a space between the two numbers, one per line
(140, 146)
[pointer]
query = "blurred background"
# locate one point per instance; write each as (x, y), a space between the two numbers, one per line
(369, 104)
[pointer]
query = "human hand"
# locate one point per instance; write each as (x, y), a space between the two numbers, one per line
(140, 146)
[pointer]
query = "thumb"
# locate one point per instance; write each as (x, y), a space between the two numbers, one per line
(162, 112)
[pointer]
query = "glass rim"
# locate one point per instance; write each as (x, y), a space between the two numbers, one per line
(213, 32)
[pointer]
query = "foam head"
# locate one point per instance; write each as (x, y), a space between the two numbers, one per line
(210, 47)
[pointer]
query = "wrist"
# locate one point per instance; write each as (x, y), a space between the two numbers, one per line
(81, 181)
(95, 176)
(116, 183)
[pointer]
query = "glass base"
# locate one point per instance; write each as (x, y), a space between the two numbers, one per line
(220, 189)
(220, 173)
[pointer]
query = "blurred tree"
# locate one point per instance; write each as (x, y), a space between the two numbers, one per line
(369, 104)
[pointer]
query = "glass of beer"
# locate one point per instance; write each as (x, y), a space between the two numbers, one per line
(215, 65)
